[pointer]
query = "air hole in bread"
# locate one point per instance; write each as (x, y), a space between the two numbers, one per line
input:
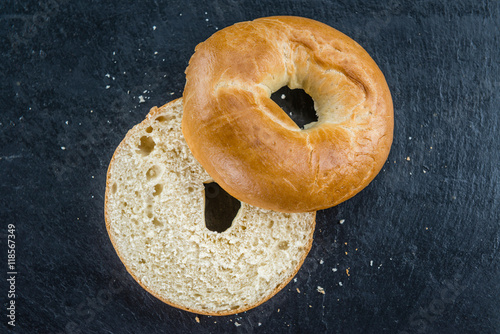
(149, 129)
(283, 245)
(158, 189)
(114, 188)
(156, 222)
(163, 118)
(142, 261)
(297, 104)
(146, 146)
(220, 208)
(235, 307)
(190, 189)
(271, 223)
(153, 172)
(149, 211)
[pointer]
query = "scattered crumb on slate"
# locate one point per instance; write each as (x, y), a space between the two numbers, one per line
(334, 269)
(371, 263)
(237, 324)
(342, 221)
(320, 290)
(298, 291)
(321, 261)
(408, 158)
(340, 283)
(347, 272)
(197, 319)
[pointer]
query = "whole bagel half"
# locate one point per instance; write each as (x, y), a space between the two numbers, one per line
(250, 146)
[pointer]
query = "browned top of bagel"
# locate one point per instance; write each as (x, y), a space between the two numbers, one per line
(252, 148)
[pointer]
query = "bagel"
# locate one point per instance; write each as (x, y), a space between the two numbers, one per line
(252, 148)
(154, 210)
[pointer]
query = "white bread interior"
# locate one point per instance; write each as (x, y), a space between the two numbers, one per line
(155, 219)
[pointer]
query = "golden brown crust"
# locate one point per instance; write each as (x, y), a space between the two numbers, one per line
(153, 113)
(252, 148)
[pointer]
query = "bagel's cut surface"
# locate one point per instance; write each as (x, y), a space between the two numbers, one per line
(155, 219)
(252, 148)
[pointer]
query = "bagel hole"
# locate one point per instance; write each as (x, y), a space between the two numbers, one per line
(220, 208)
(297, 104)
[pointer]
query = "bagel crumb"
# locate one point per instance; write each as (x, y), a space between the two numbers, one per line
(334, 269)
(321, 261)
(298, 291)
(340, 283)
(197, 319)
(320, 290)
(342, 221)
(237, 324)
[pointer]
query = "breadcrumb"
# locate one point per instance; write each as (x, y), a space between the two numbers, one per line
(320, 290)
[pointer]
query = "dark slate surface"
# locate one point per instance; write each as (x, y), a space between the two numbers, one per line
(421, 244)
